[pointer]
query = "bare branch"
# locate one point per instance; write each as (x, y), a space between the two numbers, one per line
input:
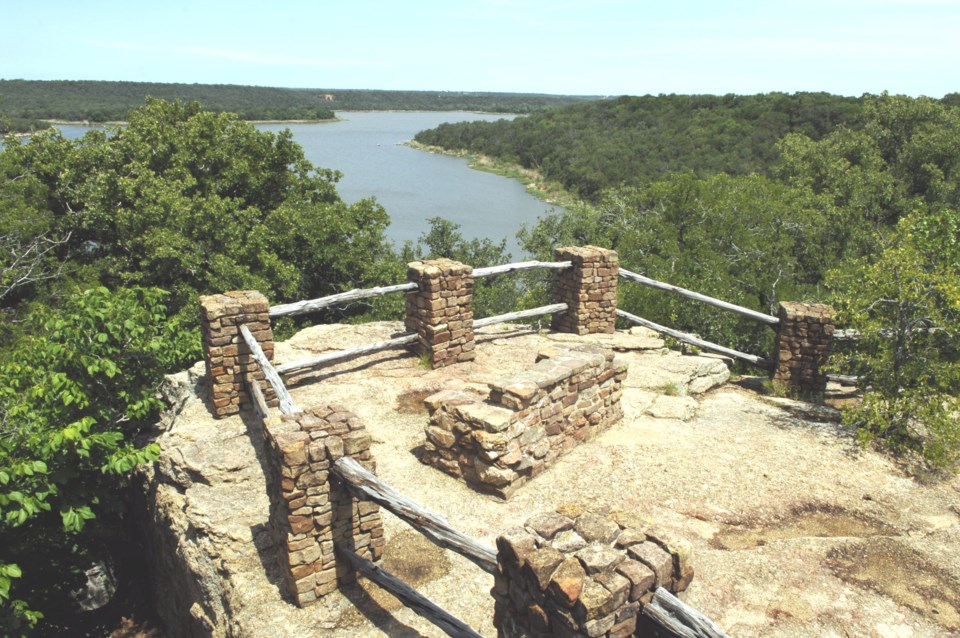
(25, 264)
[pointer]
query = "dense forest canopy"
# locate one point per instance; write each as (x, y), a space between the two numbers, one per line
(26, 102)
(632, 140)
(106, 242)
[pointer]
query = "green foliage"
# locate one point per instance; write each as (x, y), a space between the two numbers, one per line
(631, 140)
(905, 302)
(904, 155)
(747, 240)
(867, 207)
(193, 202)
(72, 396)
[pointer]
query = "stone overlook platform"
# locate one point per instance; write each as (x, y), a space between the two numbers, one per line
(786, 522)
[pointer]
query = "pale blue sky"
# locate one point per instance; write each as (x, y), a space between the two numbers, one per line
(595, 47)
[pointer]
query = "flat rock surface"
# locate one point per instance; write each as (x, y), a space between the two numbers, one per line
(794, 530)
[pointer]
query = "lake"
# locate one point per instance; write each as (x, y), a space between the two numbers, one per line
(369, 149)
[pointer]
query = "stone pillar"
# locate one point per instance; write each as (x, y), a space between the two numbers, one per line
(441, 311)
(589, 289)
(316, 513)
(226, 356)
(804, 344)
(581, 574)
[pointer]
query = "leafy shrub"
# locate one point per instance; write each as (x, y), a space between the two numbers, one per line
(72, 397)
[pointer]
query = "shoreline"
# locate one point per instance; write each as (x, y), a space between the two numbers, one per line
(548, 192)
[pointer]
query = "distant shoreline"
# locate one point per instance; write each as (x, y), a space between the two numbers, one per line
(124, 122)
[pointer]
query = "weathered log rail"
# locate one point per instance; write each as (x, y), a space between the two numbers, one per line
(520, 314)
(689, 294)
(357, 294)
(696, 341)
(313, 305)
(679, 618)
(420, 604)
(287, 405)
(522, 265)
(342, 355)
(366, 486)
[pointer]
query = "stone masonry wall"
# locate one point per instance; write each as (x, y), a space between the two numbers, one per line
(315, 512)
(441, 311)
(225, 354)
(582, 574)
(589, 289)
(804, 344)
(528, 420)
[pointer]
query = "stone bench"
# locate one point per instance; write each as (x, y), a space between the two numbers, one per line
(527, 421)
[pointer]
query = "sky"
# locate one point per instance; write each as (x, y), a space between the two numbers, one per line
(571, 47)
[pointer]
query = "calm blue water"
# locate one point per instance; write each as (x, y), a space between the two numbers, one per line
(368, 148)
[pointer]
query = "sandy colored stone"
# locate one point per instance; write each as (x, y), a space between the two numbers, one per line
(802, 486)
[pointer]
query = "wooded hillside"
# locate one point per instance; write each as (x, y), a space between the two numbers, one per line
(632, 140)
(26, 101)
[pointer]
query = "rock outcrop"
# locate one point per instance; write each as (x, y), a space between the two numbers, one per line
(740, 474)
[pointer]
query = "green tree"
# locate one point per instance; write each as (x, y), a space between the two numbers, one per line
(865, 179)
(72, 397)
(195, 202)
(491, 295)
(748, 240)
(905, 303)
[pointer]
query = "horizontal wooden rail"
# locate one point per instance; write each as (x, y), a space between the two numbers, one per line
(696, 341)
(259, 401)
(423, 606)
(844, 379)
(850, 334)
(678, 617)
(366, 486)
(312, 305)
(689, 294)
(523, 265)
(340, 355)
(287, 406)
(520, 314)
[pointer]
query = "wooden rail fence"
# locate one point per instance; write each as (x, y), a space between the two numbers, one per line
(303, 307)
(665, 610)
(696, 296)
(287, 405)
(366, 486)
(696, 341)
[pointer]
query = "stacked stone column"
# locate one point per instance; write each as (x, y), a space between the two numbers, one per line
(227, 357)
(441, 311)
(582, 574)
(804, 344)
(589, 289)
(315, 512)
